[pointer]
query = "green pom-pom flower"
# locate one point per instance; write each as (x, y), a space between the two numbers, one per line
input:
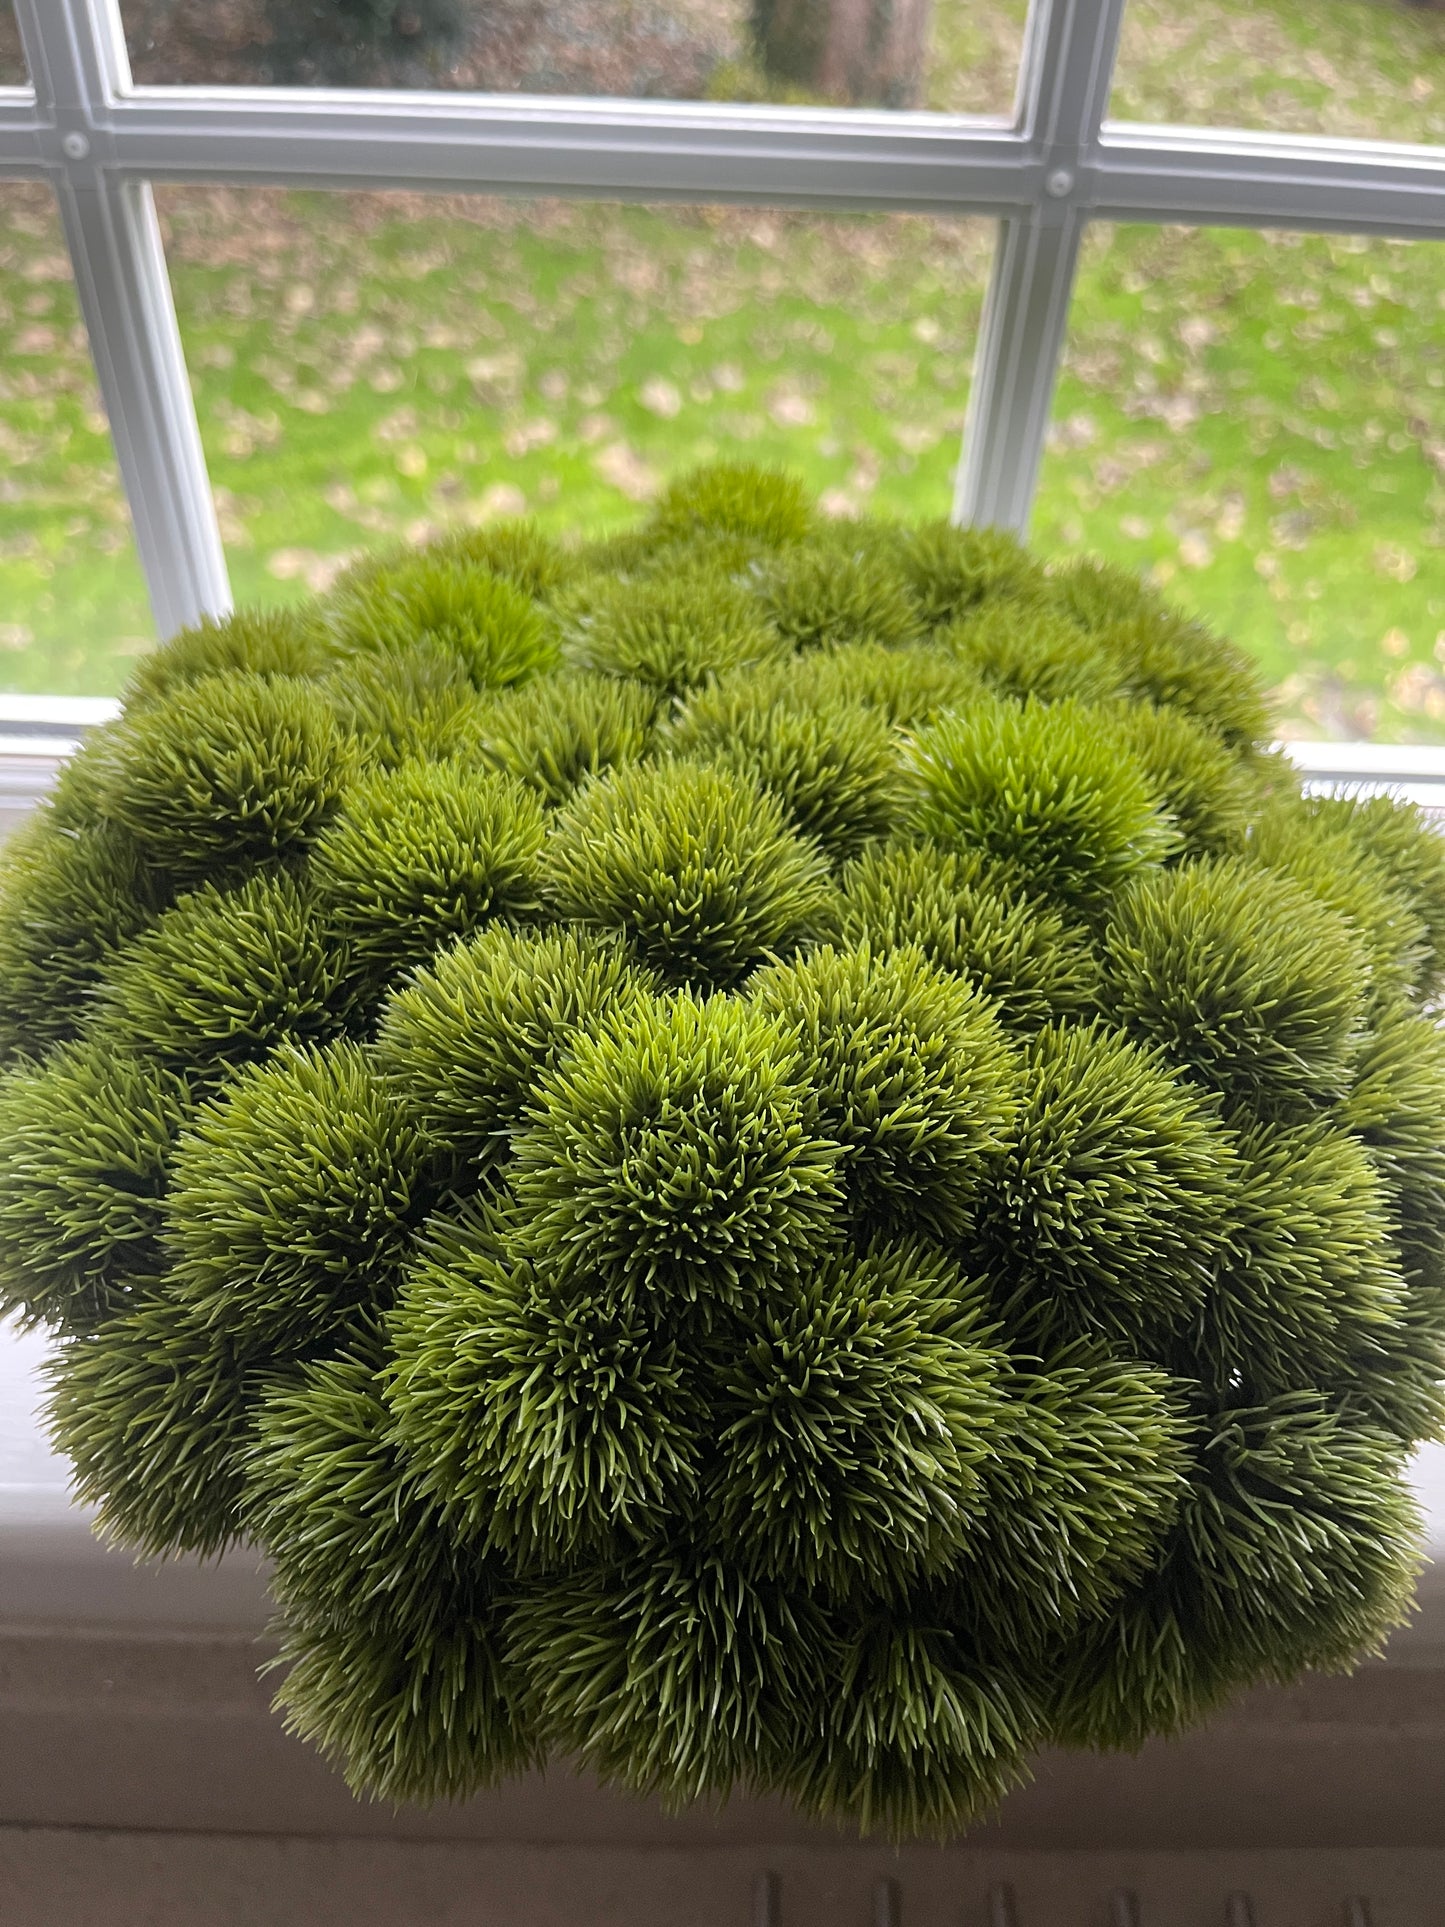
(816, 597)
(765, 505)
(551, 1417)
(415, 704)
(1296, 1545)
(1252, 987)
(775, 1153)
(854, 1425)
(86, 1140)
(919, 1734)
(261, 642)
(671, 1158)
(834, 767)
(73, 898)
(419, 856)
(224, 977)
(155, 1417)
(694, 865)
(670, 634)
(1082, 1480)
(552, 735)
(1107, 1212)
(1029, 963)
(491, 626)
(292, 1201)
(908, 1070)
(673, 1672)
(1046, 793)
(397, 1671)
(229, 771)
(468, 1040)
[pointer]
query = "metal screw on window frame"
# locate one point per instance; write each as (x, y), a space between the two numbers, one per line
(1059, 183)
(75, 147)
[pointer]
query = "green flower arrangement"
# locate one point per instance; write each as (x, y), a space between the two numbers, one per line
(767, 1154)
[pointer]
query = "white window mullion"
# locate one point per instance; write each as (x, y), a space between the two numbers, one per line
(1068, 65)
(75, 55)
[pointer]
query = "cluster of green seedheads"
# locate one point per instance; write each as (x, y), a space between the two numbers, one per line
(763, 1153)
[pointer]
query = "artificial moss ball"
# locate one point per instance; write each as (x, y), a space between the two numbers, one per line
(767, 1154)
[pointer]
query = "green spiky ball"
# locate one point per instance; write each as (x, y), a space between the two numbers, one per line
(769, 1154)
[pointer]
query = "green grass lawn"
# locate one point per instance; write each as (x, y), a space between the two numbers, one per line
(1258, 420)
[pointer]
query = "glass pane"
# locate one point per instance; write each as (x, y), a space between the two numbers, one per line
(1371, 69)
(957, 56)
(1258, 421)
(12, 56)
(375, 365)
(73, 609)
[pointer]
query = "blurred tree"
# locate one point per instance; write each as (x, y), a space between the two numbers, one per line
(865, 52)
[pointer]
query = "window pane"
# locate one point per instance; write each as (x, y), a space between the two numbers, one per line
(375, 365)
(958, 56)
(12, 56)
(73, 609)
(1371, 69)
(1258, 420)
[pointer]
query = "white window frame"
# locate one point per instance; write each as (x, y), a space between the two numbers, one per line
(1058, 164)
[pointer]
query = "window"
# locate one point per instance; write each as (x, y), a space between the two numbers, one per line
(985, 118)
(12, 56)
(380, 365)
(1258, 421)
(952, 56)
(73, 611)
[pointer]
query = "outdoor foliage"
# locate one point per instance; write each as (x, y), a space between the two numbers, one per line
(766, 1153)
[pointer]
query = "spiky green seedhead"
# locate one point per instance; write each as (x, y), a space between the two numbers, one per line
(1106, 1215)
(1167, 659)
(226, 773)
(1321, 855)
(671, 1158)
(399, 1673)
(1046, 793)
(1296, 1545)
(1083, 1478)
(519, 552)
(409, 705)
(287, 642)
(1310, 1289)
(772, 1152)
(419, 856)
(292, 1201)
(834, 766)
(73, 899)
(491, 626)
(554, 734)
(694, 865)
(674, 1673)
(1251, 985)
(1411, 852)
(155, 1418)
(85, 1141)
(468, 1040)
(921, 1734)
(671, 633)
(965, 917)
(1208, 791)
(1024, 648)
(821, 597)
(908, 1070)
(854, 1424)
(224, 977)
(765, 505)
(555, 1421)
(949, 570)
